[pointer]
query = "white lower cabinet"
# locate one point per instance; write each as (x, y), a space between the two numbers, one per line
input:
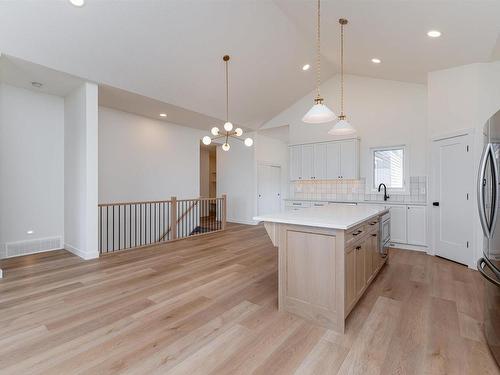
(416, 224)
(398, 223)
(408, 225)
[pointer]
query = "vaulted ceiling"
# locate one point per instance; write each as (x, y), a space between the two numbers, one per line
(172, 51)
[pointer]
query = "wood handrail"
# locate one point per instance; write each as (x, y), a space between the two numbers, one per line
(130, 203)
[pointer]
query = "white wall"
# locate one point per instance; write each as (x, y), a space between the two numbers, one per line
(80, 171)
(236, 178)
(384, 113)
(275, 152)
(464, 98)
(237, 174)
(31, 165)
(145, 159)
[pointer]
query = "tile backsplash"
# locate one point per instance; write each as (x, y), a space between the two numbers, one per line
(355, 191)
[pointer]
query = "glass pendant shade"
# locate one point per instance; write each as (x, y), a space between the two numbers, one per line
(342, 127)
(206, 140)
(319, 114)
(226, 146)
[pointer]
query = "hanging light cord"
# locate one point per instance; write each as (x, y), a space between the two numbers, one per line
(318, 52)
(341, 69)
(227, 89)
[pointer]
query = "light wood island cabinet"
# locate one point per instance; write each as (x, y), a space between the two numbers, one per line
(327, 258)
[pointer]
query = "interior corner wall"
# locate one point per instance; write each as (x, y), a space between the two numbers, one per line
(31, 165)
(142, 159)
(81, 171)
(236, 178)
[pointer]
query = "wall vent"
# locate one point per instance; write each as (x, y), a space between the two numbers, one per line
(13, 249)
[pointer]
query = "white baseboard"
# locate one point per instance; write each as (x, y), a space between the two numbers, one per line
(247, 222)
(80, 253)
(405, 246)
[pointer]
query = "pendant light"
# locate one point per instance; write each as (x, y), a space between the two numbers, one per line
(319, 113)
(342, 127)
(228, 126)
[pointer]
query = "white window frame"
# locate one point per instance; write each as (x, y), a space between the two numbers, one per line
(406, 169)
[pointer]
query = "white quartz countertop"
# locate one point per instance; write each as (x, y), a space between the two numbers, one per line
(338, 216)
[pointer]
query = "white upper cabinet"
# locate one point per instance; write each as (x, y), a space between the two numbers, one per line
(416, 224)
(325, 161)
(333, 160)
(307, 162)
(320, 158)
(295, 163)
(349, 164)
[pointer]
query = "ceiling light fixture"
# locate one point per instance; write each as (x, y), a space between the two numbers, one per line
(342, 127)
(77, 3)
(376, 61)
(228, 126)
(319, 113)
(434, 34)
(306, 67)
(163, 115)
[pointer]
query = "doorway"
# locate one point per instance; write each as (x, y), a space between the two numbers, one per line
(208, 176)
(452, 212)
(268, 189)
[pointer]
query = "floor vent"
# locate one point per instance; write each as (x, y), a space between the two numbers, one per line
(14, 249)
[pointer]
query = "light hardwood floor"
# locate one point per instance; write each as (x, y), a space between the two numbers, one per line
(208, 305)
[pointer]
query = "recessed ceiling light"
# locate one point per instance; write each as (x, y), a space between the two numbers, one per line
(434, 34)
(376, 61)
(163, 115)
(306, 67)
(77, 3)
(36, 84)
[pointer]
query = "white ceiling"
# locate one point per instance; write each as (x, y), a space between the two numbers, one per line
(171, 51)
(21, 73)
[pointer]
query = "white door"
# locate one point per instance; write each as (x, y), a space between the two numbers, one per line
(348, 160)
(398, 224)
(268, 189)
(319, 161)
(295, 163)
(333, 160)
(453, 178)
(416, 223)
(307, 162)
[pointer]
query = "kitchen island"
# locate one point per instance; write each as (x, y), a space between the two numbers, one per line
(327, 257)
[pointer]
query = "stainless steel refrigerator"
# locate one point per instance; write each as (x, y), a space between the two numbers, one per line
(488, 186)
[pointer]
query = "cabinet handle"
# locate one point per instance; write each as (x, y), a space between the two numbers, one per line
(373, 223)
(357, 232)
(374, 235)
(358, 247)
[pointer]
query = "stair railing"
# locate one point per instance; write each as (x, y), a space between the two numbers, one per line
(130, 225)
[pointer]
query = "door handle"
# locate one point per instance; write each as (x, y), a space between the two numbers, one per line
(435, 204)
(480, 268)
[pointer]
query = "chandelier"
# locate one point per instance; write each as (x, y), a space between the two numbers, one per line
(228, 126)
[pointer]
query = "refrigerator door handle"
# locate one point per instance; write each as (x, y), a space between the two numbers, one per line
(480, 268)
(494, 191)
(480, 190)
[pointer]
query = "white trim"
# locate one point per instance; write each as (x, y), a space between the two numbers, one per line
(247, 222)
(405, 246)
(80, 253)
(329, 141)
(453, 134)
(370, 189)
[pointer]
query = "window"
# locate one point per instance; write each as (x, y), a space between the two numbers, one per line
(389, 167)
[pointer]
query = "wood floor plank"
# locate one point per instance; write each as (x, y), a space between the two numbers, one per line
(209, 305)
